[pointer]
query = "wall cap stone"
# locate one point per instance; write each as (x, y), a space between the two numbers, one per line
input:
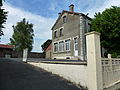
(93, 32)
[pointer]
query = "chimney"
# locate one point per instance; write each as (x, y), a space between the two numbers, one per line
(59, 13)
(71, 8)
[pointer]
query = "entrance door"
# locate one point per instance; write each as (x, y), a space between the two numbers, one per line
(76, 46)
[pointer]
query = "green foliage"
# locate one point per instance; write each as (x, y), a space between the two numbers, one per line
(46, 44)
(23, 36)
(3, 17)
(108, 24)
(1, 2)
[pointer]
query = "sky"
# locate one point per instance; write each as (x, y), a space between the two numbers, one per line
(43, 14)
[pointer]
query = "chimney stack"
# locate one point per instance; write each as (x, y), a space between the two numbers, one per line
(71, 8)
(59, 13)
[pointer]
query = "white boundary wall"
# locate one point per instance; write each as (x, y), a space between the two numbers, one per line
(77, 74)
(98, 74)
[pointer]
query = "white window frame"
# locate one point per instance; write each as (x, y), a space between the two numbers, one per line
(55, 34)
(61, 33)
(61, 46)
(64, 19)
(75, 44)
(56, 50)
(68, 41)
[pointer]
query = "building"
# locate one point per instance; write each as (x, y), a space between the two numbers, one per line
(68, 35)
(6, 50)
(48, 52)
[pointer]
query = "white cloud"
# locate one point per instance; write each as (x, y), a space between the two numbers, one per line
(42, 25)
(106, 4)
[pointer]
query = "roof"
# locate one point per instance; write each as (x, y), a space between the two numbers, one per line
(70, 12)
(49, 48)
(6, 46)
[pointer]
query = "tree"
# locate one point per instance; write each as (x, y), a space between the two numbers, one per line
(3, 17)
(22, 37)
(108, 24)
(46, 44)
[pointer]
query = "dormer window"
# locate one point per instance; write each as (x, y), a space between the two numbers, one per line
(64, 19)
(61, 31)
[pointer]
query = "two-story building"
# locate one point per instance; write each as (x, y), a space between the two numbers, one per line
(68, 35)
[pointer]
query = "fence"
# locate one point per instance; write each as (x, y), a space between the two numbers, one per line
(111, 72)
(103, 72)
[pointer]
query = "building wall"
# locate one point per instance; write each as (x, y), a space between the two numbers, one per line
(5, 51)
(48, 54)
(77, 74)
(74, 27)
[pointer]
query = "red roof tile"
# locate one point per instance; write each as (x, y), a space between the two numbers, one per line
(6, 46)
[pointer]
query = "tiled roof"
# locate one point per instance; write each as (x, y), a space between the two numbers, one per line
(6, 46)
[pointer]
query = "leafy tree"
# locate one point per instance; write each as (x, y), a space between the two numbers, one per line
(23, 36)
(3, 17)
(108, 24)
(46, 44)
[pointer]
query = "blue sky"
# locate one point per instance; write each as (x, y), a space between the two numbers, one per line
(43, 13)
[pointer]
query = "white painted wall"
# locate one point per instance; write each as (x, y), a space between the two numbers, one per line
(74, 73)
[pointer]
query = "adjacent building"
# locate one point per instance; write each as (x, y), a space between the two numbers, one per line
(68, 35)
(6, 50)
(48, 51)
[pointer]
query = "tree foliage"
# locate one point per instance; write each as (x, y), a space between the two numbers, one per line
(3, 17)
(46, 44)
(23, 36)
(108, 24)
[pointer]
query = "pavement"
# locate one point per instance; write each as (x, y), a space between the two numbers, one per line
(16, 75)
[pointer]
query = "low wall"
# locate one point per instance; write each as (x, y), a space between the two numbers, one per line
(77, 74)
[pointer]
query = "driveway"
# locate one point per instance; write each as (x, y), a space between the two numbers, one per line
(21, 76)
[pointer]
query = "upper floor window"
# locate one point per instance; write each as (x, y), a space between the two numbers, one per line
(64, 19)
(89, 26)
(55, 34)
(61, 46)
(61, 31)
(67, 45)
(55, 47)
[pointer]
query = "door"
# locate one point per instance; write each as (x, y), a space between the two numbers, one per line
(75, 46)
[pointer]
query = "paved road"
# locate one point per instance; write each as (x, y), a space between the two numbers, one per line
(20, 76)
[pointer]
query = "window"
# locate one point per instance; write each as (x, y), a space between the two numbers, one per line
(64, 19)
(55, 47)
(55, 34)
(89, 26)
(67, 45)
(61, 46)
(76, 43)
(61, 31)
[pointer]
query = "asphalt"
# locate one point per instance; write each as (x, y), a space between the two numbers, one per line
(16, 75)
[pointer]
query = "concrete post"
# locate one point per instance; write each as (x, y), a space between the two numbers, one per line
(110, 60)
(25, 53)
(94, 65)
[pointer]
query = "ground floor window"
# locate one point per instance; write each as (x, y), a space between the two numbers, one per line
(55, 47)
(61, 46)
(67, 44)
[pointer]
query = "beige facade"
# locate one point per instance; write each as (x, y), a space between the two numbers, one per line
(68, 37)
(48, 54)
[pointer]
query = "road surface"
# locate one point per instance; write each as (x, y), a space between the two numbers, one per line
(21, 76)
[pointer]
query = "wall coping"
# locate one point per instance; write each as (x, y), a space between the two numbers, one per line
(93, 32)
(60, 62)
